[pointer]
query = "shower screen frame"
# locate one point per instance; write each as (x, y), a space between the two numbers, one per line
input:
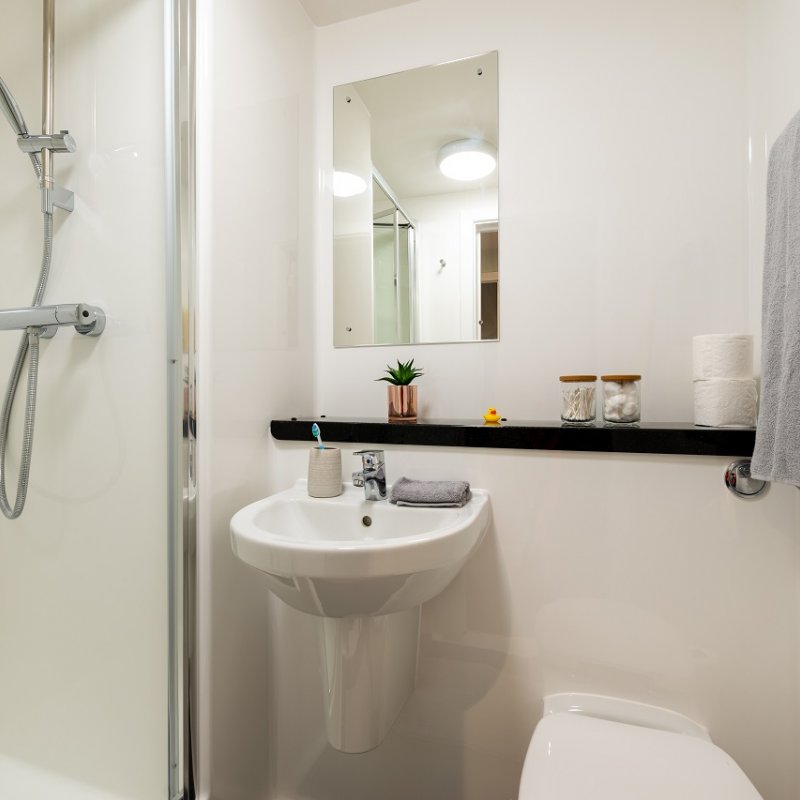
(179, 98)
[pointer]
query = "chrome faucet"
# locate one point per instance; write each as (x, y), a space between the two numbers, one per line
(373, 474)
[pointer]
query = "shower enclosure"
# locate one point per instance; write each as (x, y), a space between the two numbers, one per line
(92, 681)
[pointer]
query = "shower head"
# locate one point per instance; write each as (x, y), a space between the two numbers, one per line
(11, 110)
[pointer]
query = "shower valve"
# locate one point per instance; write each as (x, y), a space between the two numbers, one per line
(87, 320)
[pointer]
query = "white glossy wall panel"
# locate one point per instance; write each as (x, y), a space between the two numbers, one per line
(623, 207)
(636, 576)
(622, 195)
(256, 325)
(83, 573)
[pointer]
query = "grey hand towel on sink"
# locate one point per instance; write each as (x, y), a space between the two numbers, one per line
(777, 451)
(432, 494)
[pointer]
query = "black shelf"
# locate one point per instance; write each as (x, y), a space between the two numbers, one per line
(648, 437)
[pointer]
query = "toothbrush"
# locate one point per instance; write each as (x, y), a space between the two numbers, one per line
(315, 431)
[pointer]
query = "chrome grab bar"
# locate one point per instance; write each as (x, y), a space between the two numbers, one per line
(86, 319)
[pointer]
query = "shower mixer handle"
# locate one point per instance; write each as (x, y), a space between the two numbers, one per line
(62, 142)
(87, 320)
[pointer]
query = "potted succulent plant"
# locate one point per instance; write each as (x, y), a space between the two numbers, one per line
(401, 394)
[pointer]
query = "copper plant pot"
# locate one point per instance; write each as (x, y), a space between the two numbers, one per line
(402, 402)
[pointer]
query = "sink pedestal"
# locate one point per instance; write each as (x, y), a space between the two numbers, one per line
(369, 667)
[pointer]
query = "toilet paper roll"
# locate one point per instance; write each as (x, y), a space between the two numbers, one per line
(721, 403)
(723, 355)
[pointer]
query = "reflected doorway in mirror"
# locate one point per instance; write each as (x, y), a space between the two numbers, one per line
(486, 234)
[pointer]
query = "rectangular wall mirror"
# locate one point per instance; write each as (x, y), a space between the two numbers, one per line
(415, 185)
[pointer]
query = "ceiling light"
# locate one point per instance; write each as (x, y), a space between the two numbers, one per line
(467, 159)
(346, 184)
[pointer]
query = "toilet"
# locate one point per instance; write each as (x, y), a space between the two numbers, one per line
(604, 748)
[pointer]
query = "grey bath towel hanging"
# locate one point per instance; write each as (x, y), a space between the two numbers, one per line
(777, 451)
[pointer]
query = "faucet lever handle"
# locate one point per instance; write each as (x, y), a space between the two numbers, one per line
(370, 458)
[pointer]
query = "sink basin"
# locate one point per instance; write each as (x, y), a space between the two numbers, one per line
(347, 556)
(364, 568)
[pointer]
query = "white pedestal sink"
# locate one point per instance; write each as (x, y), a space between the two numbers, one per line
(365, 567)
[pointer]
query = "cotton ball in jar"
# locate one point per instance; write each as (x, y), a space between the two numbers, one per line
(630, 408)
(614, 405)
(621, 401)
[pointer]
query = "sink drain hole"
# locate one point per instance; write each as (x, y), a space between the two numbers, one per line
(366, 521)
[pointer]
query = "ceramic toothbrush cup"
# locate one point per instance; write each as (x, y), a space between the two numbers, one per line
(324, 472)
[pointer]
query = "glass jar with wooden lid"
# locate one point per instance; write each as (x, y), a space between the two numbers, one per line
(622, 401)
(578, 398)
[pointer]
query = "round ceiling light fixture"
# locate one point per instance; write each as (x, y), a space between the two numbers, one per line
(346, 184)
(467, 159)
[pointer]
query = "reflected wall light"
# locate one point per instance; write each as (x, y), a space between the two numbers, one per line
(467, 159)
(346, 184)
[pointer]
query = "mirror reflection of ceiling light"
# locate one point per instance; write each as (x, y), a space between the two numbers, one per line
(467, 159)
(346, 184)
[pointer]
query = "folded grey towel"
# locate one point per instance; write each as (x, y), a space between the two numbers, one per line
(433, 494)
(777, 450)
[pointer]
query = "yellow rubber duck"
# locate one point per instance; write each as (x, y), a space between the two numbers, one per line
(491, 416)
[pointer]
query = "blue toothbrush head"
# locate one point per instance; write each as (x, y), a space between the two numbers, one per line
(315, 431)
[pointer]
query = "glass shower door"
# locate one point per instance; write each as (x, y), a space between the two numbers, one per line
(87, 586)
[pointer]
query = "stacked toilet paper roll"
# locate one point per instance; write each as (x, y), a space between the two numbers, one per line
(724, 389)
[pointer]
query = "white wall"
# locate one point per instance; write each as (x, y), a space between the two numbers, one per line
(623, 195)
(624, 232)
(256, 325)
(635, 576)
(83, 573)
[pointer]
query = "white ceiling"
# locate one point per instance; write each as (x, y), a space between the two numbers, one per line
(414, 113)
(326, 12)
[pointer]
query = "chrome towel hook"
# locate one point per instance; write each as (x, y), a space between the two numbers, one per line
(739, 481)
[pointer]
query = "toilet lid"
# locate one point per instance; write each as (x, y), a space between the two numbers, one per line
(575, 757)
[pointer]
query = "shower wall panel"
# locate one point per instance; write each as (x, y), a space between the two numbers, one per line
(83, 573)
(256, 358)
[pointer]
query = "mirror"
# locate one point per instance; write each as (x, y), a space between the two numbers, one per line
(415, 250)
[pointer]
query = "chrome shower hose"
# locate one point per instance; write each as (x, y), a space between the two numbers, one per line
(29, 345)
